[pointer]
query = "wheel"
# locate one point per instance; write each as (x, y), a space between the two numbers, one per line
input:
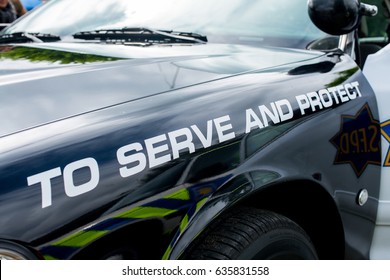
(249, 233)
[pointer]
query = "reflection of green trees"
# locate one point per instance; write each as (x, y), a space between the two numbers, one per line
(343, 76)
(62, 57)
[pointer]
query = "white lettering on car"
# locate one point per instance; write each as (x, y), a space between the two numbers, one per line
(132, 163)
(135, 159)
(44, 179)
(281, 111)
(314, 101)
(71, 189)
(152, 152)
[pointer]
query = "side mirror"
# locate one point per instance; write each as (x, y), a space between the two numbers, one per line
(338, 17)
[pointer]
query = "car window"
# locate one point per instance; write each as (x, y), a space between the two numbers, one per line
(282, 23)
(374, 31)
(376, 28)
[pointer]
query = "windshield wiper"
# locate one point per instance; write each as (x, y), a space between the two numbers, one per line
(141, 36)
(25, 37)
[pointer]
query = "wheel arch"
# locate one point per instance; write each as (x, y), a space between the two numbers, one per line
(309, 205)
(305, 202)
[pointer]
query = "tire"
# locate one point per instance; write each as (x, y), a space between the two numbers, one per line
(249, 233)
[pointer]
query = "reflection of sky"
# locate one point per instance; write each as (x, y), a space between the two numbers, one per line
(30, 4)
(63, 91)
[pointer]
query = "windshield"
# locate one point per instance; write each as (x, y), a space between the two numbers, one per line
(266, 22)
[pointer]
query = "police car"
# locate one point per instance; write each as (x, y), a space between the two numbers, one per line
(198, 129)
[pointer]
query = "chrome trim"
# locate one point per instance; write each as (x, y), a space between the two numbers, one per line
(343, 42)
(347, 44)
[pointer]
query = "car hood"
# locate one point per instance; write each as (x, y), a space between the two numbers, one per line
(42, 83)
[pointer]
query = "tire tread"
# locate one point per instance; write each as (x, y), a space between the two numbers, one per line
(235, 231)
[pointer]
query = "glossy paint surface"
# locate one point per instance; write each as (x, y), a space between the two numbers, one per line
(60, 77)
(170, 134)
